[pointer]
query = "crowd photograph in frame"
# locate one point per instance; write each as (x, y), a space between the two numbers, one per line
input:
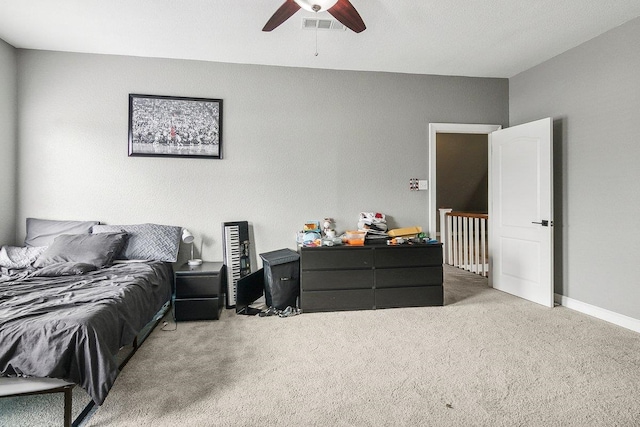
(169, 126)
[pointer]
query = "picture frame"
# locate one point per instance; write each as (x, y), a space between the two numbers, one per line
(173, 126)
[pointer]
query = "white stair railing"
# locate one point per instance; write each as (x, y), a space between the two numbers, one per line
(464, 240)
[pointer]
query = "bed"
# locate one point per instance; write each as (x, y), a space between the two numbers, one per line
(71, 301)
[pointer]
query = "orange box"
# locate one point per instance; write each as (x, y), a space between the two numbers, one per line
(355, 238)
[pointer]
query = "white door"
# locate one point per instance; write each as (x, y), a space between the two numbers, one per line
(521, 211)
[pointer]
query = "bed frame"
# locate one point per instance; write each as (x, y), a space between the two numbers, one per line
(16, 387)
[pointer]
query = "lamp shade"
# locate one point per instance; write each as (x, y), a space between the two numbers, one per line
(187, 237)
(316, 5)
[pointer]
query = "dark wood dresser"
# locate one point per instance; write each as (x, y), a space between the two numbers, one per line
(370, 277)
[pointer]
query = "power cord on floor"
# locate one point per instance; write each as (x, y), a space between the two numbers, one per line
(166, 324)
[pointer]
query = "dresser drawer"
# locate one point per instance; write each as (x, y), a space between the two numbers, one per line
(357, 299)
(322, 280)
(406, 277)
(409, 297)
(412, 256)
(197, 286)
(197, 309)
(336, 258)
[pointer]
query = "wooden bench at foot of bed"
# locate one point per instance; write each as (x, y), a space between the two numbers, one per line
(11, 387)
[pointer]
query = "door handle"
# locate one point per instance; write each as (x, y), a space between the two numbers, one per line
(544, 223)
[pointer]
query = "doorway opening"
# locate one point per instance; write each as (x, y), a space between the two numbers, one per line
(450, 129)
(458, 174)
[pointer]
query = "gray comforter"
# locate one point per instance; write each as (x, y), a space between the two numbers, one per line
(71, 327)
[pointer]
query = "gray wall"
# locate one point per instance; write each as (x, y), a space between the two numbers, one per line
(593, 94)
(462, 175)
(8, 123)
(299, 144)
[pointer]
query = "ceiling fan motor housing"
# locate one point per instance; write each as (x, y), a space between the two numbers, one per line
(316, 5)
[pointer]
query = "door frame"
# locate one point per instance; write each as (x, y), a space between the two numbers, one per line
(434, 129)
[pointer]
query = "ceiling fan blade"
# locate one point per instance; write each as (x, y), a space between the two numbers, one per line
(344, 12)
(285, 12)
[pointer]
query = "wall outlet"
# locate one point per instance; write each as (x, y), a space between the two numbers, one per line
(423, 184)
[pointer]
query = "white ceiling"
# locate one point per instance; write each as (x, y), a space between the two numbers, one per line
(484, 38)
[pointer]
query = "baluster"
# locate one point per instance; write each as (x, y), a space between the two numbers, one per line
(476, 245)
(450, 247)
(470, 244)
(465, 237)
(454, 220)
(460, 243)
(483, 246)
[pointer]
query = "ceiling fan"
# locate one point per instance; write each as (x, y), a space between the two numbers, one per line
(342, 10)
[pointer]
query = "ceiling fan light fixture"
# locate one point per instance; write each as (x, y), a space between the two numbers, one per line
(342, 10)
(316, 5)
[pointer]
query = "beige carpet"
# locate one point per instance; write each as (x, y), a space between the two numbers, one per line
(484, 359)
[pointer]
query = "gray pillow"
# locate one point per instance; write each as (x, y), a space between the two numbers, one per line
(147, 241)
(97, 249)
(41, 232)
(65, 269)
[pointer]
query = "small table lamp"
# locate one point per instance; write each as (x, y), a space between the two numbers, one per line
(187, 237)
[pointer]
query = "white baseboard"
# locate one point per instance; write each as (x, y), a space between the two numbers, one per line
(600, 313)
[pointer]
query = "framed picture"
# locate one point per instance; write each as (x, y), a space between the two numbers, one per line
(170, 126)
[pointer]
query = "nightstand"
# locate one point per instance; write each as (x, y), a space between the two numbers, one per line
(198, 293)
